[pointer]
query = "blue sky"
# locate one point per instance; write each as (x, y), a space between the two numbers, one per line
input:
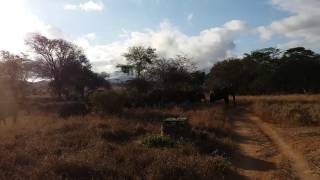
(106, 28)
(136, 15)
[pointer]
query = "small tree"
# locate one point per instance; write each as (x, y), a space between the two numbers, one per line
(138, 59)
(14, 73)
(172, 73)
(89, 81)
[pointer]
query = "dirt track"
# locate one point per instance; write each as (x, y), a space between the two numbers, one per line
(263, 152)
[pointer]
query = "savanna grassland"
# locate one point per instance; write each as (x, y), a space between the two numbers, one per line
(40, 145)
(75, 123)
(286, 110)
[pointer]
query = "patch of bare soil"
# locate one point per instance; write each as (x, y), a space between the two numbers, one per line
(257, 158)
(306, 141)
(265, 153)
(298, 161)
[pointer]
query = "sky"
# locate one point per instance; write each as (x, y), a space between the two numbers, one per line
(206, 31)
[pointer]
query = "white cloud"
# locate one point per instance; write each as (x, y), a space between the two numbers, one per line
(70, 7)
(205, 49)
(303, 27)
(92, 6)
(17, 22)
(86, 6)
(91, 36)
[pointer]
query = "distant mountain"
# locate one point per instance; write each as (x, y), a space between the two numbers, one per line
(118, 77)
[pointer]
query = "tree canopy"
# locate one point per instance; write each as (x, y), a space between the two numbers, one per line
(65, 65)
(264, 71)
(138, 58)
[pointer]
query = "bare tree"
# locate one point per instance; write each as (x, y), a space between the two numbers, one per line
(58, 60)
(172, 73)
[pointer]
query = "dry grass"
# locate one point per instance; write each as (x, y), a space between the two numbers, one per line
(286, 110)
(41, 146)
(281, 98)
(213, 120)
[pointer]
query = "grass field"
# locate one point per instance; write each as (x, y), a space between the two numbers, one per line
(40, 145)
(286, 110)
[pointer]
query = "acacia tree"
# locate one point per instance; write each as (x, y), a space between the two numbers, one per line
(58, 60)
(174, 73)
(138, 59)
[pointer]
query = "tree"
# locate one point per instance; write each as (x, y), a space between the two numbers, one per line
(265, 55)
(299, 71)
(267, 62)
(138, 59)
(58, 60)
(230, 73)
(269, 70)
(89, 81)
(173, 73)
(14, 73)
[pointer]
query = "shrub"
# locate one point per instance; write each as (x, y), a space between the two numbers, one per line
(108, 102)
(158, 141)
(73, 109)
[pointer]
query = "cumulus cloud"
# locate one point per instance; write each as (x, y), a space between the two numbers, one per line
(302, 27)
(86, 6)
(205, 49)
(17, 22)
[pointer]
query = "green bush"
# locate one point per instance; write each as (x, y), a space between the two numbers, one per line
(157, 141)
(108, 102)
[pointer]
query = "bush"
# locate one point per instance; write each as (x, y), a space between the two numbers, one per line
(108, 102)
(73, 109)
(158, 141)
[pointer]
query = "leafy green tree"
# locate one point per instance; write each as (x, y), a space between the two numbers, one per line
(269, 70)
(138, 59)
(299, 71)
(231, 73)
(267, 63)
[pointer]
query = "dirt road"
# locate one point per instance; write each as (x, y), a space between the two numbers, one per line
(264, 154)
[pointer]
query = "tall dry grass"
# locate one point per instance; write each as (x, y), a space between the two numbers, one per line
(42, 146)
(280, 98)
(286, 110)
